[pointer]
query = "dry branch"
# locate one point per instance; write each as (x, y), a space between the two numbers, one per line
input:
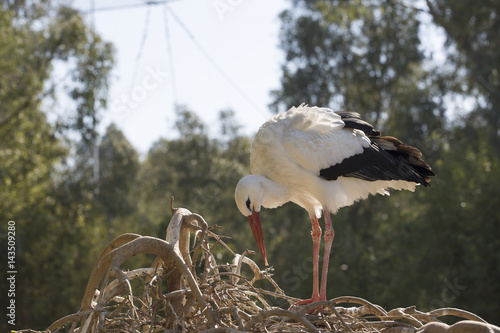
(186, 290)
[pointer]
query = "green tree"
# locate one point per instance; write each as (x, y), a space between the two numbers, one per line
(470, 215)
(118, 167)
(57, 227)
(473, 30)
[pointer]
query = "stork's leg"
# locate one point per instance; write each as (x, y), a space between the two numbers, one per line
(329, 235)
(316, 237)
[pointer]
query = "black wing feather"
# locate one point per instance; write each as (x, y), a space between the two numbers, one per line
(399, 162)
(353, 120)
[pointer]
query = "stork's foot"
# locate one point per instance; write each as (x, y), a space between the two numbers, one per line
(304, 302)
(307, 302)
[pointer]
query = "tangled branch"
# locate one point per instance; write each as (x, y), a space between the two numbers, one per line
(186, 290)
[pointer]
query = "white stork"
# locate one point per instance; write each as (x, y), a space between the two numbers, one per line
(322, 161)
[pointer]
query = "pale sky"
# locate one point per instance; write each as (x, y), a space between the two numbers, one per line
(224, 54)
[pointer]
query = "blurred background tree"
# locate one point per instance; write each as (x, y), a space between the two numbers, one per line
(432, 248)
(59, 227)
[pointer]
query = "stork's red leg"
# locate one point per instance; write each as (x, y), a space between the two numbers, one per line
(316, 237)
(329, 235)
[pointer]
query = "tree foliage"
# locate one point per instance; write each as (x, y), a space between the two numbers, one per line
(55, 215)
(473, 30)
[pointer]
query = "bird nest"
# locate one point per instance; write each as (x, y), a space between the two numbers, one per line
(186, 290)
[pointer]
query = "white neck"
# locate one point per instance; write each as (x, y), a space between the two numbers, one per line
(274, 194)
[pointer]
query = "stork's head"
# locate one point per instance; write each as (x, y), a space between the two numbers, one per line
(248, 196)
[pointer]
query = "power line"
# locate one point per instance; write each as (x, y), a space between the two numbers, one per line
(135, 5)
(169, 47)
(92, 14)
(96, 139)
(169, 53)
(141, 48)
(214, 64)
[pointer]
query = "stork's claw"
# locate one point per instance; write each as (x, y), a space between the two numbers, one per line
(307, 302)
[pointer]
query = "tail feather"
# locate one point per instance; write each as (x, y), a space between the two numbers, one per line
(407, 154)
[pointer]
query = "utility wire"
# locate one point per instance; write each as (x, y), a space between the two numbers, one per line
(135, 5)
(169, 53)
(92, 14)
(169, 48)
(214, 64)
(95, 148)
(141, 48)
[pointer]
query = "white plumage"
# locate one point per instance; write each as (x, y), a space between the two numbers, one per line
(322, 161)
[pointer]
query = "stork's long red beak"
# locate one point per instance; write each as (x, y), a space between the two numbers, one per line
(254, 221)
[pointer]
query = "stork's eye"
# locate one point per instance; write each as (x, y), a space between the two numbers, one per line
(248, 204)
